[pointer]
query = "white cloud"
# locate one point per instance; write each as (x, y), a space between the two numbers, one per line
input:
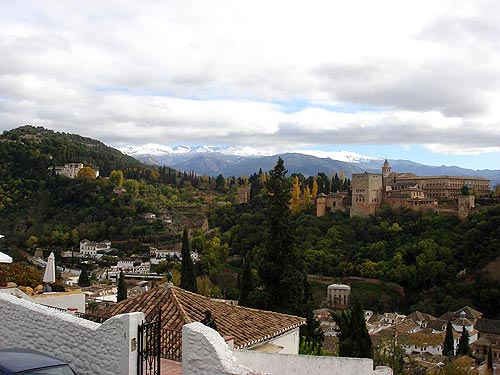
(208, 72)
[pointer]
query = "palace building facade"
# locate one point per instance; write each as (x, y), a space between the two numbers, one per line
(406, 190)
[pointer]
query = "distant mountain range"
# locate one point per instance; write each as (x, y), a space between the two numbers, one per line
(240, 161)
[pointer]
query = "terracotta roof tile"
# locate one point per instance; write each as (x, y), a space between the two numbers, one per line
(470, 313)
(488, 326)
(178, 307)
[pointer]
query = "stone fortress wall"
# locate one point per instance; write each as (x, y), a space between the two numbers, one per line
(405, 190)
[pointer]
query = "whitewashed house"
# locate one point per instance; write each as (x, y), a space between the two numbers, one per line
(89, 249)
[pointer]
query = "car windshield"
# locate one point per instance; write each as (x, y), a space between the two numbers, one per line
(56, 370)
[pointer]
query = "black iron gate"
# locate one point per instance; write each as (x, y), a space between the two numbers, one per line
(171, 344)
(149, 347)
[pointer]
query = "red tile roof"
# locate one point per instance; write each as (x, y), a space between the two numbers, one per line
(178, 307)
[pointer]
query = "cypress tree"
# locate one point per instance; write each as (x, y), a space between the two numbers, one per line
(188, 277)
(463, 344)
(448, 345)
(354, 339)
(489, 361)
(280, 265)
(246, 282)
(122, 288)
(83, 279)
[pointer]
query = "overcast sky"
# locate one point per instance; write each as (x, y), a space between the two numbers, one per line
(403, 79)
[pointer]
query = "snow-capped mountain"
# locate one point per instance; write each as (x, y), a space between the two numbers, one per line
(156, 149)
(153, 149)
(347, 156)
(244, 161)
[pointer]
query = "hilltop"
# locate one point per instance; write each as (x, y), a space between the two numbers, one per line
(28, 146)
(58, 210)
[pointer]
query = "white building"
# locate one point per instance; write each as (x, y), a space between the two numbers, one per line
(89, 249)
(337, 296)
(73, 299)
(125, 265)
(142, 269)
(70, 170)
(163, 253)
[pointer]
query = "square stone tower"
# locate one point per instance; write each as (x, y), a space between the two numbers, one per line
(366, 193)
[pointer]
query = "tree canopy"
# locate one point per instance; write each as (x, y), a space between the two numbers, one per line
(83, 279)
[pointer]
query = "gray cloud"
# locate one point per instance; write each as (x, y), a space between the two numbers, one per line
(189, 71)
(449, 87)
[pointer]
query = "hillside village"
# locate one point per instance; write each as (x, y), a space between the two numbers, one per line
(223, 226)
(250, 187)
(420, 335)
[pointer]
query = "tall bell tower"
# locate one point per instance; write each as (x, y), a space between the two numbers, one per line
(386, 171)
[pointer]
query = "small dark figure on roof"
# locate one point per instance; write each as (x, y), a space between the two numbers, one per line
(57, 288)
(209, 320)
(46, 288)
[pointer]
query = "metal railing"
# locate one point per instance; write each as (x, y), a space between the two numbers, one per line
(92, 317)
(149, 347)
(171, 344)
(87, 316)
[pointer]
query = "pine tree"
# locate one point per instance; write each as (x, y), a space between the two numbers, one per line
(188, 277)
(122, 288)
(463, 344)
(83, 279)
(448, 345)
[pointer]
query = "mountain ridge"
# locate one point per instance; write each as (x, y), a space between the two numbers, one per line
(214, 160)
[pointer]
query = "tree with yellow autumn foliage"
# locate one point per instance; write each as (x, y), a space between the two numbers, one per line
(86, 174)
(295, 206)
(314, 191)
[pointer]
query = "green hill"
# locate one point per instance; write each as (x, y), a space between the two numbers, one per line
(28, 151)
(59, 211)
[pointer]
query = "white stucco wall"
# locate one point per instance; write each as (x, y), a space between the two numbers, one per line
(61, 300)
(290, 364)
(289, 341)
(90, 348)
(205, 352)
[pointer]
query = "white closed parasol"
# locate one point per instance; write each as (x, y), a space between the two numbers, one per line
(4, 258)
(50, 270)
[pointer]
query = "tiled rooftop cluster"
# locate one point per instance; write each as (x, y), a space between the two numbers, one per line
(178, 307)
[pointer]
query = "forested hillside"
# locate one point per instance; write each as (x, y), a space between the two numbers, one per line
(58, 211)
(28, 151)
(441, 262)
(438, 260)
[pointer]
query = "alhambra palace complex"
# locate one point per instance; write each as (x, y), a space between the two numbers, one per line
(441, 194)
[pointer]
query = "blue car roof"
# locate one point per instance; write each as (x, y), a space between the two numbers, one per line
(15, 360)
